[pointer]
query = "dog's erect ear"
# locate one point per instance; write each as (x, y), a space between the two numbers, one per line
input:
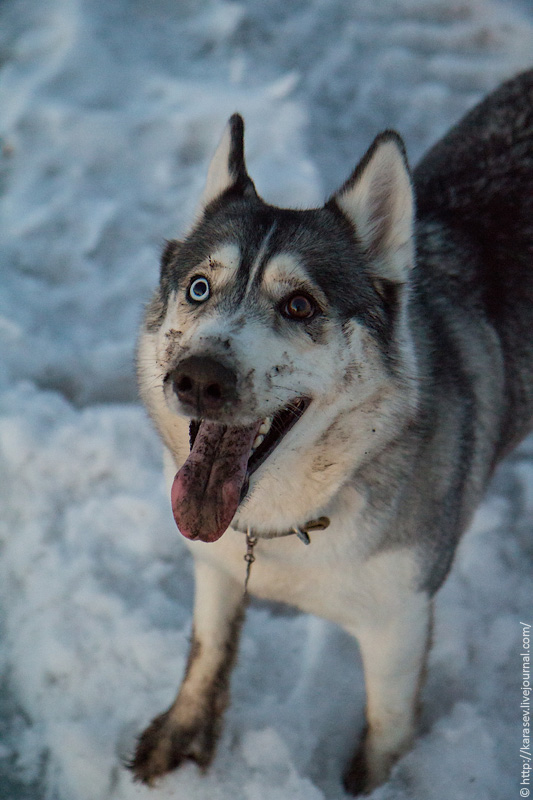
(227, 169)
(378, 201)
(170, 251)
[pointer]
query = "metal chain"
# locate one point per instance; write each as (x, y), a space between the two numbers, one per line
(249, 557)
(302, 533)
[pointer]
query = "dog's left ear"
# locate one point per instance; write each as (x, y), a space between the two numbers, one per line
(227, 170)
(378, 201)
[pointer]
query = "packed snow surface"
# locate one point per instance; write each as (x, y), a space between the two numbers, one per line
(109, 112)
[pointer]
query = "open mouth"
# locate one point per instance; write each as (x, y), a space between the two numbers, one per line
(214, 480)
(270, 433)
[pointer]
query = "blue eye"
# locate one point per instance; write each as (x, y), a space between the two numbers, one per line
(199, 290)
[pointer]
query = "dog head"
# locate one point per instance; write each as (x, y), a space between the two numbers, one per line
(277, 341)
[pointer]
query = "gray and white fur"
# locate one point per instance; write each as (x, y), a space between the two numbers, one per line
(394, 323)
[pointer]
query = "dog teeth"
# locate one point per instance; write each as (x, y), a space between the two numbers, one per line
(265, 426)
(259, 439)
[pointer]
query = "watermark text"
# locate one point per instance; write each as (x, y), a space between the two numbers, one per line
(525, 709)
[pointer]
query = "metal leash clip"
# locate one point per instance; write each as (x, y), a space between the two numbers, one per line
(319, 524)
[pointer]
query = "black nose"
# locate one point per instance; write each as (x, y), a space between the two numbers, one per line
(203, 384)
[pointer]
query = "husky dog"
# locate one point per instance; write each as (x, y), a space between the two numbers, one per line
(365, 364)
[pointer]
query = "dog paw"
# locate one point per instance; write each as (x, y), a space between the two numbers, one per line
(356, 776)
(371, 765)
(166, 744)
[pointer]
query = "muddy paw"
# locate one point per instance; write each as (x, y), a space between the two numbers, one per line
(371, 765)
(166, 743)
(356, 776)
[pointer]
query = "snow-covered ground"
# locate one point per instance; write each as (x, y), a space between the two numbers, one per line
(108, 114)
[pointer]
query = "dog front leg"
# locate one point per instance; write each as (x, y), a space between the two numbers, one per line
(190, 727)
(394, 654)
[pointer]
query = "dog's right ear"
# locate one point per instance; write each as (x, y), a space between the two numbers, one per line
(227, 170)
(170, 251)
(168, 256)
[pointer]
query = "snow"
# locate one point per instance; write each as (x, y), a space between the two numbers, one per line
(109, 114)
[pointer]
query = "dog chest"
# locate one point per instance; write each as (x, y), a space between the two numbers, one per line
(331, 578)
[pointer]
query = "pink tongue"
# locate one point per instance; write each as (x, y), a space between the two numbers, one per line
(207, 489)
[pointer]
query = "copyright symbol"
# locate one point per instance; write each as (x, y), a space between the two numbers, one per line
(524, 792)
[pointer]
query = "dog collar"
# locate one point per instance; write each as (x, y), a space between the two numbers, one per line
(302, 532)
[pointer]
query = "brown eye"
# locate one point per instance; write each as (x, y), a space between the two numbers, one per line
(299, 306)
